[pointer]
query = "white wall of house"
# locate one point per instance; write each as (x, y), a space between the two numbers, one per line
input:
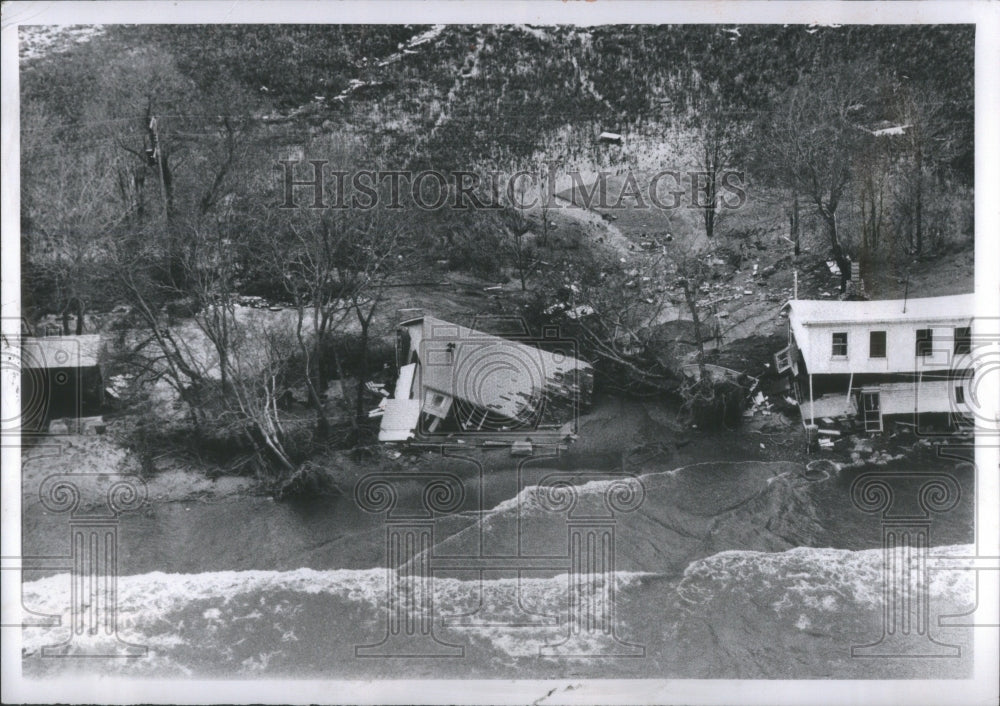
(900, 348)
(813, 324)
(897, 398)
(831, 405)
(925, 397)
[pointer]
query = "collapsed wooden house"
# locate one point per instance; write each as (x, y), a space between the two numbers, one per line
(869, 360)
(460, 381)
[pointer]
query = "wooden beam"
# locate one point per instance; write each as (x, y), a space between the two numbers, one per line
(812, 406)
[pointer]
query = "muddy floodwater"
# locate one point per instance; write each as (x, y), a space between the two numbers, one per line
(729, 569)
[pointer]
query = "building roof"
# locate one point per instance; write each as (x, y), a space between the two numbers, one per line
(60, 351)
(812, 312)
(488, 371)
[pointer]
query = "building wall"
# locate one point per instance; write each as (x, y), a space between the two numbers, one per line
(828, 406)
(900, 348)
(924, 397)
(895, 398)
(55, 393)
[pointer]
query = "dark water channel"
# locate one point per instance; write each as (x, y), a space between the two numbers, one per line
(705, 507)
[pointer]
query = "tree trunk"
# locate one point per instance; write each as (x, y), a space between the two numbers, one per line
(76, 304)
(711, 170)
(310, 364)
(322, 374)
(359, 401)
(843, 262)
(545, 225)
(224, 350)
(520, 262)
(696, 320)
(919, 206)
(79, 316)
(795, 225)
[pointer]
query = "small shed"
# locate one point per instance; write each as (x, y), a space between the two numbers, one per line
(612, 138)
(60, 378)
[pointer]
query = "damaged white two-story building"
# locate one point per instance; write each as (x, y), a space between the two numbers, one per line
(869, 360)
(460, 381)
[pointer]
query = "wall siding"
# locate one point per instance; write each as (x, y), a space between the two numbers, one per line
(900, 348)
(895, 398)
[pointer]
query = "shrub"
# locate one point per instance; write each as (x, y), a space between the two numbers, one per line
(310, 481)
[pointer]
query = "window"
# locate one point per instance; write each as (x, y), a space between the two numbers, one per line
(963, 339)
(925, 342)
(783, 359)
(840, 345)
(876, 344)
(959, 395)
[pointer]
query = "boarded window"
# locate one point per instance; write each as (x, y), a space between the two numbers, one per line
(925, 341)
(963, 339)
(876, 344)
(840, 344)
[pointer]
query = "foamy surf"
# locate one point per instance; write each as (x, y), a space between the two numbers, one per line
(534, 499)
(734, 614)
(817, 578)
(175, 615)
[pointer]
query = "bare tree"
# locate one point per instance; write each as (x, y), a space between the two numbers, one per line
(813, 138)
(69, 213)
(929, 140)
(516, 230)
(365, 264)
(718, 136)
(614, 313)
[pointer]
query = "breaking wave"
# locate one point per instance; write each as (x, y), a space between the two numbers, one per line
(735, 613)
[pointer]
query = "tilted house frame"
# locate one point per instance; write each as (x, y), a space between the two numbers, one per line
(872, 359)
(454, 379)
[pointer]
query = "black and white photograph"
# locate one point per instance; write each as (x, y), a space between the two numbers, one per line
(463, 352)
